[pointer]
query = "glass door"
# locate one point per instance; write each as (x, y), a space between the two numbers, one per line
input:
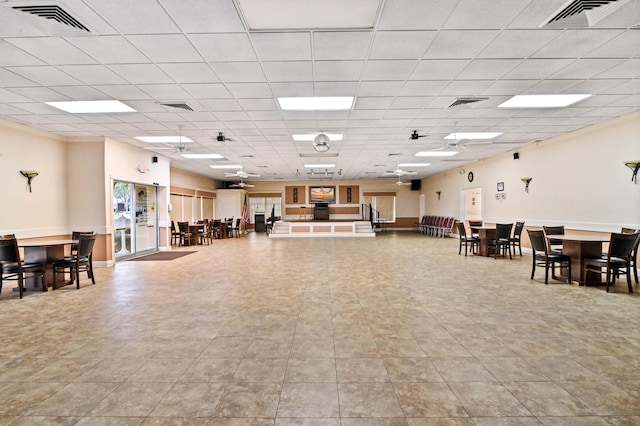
(135, 219)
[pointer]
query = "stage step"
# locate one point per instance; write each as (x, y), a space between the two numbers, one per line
(364, 226)
(280, 228)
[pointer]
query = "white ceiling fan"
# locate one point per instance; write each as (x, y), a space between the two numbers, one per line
(401, 183)
(399, 172)
(241, 174)
(179, 146)
(242, 184)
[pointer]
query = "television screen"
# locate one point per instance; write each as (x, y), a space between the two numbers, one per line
(322, 194)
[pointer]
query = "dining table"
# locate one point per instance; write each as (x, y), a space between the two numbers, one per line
(486, 234)
(45, 251)
(580, 247)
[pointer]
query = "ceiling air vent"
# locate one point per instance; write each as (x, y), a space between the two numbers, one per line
(581, 13)
(179, 106)
(466, 101)
(55, 13)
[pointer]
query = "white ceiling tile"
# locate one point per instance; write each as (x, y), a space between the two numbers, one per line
(250, 90)
(207, 91)
(401, 44)
(164, 91)
(486, 69)
(204, 16)
(536, 68)
(123, 92)
(388, 70)
(12, 79)
(258, 104)
(239, 72)
(79, 93)
(11, 97)
(423, 88)
(586, 68)
(113, 49)
(190, 72)
(476, 14)
(13, 56)
(139, 17)
(394, 114)
(625, 45)
(518, 43)
(509, 87)
(93, 74)
(141, 73)
(627, 69)
(341, 45)
(459, 44)
(366, 103)
(54, 51)
(379, 88)
(415, 15)
(295, 46)
(446, 69)
(288, 71)
(265, 115)
(466, 88)
(165, 47)
(330, 88)
(44, 75)
(221, 105)
(231, 115)
(410, 102)
(338, 70)
(223, 47)
(575, 43)
(292, 89)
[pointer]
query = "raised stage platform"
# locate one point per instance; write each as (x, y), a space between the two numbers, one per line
(316, 229)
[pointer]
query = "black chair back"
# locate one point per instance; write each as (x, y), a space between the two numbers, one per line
(538, 243)
(9, 249)
(85, 245)
(622, 245)
(554, 230)
(503, 231)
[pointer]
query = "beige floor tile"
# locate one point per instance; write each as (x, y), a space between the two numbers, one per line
(396, 330)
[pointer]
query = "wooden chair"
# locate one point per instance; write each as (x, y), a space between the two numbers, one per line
(82, 261)
(203, 232)
(542, 256)
(516, 238)
(228, 227)
(502, 243)
(473, 225)
(15, 269)
(175, 234)
(215, 229)
(554, 230)
(634, 255)
(474, 242)
(236, 227)
(185, 234)
(616, 262)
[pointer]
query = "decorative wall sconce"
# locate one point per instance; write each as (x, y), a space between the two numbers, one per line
(30, 175)
(526, 181)
(634, 166)
(438, 192)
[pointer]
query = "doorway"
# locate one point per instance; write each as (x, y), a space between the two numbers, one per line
(470, 204)
(135, 220)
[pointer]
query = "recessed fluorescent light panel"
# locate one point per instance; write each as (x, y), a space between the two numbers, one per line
(414, 164)
(226, 166)
(326, 14)
(91, 107)
(326, 103)
(200, 156)
(164, 139)
(310, 136)
(319, 166)
(436, 153)
(472, 135)
(542, 101)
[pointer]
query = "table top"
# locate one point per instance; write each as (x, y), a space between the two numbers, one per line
(578, 237)
(45, 243)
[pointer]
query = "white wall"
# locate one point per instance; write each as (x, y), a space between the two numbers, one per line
(579, 180)
(43, 211)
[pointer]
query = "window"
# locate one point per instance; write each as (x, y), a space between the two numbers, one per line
(264, 205)
(384, 204)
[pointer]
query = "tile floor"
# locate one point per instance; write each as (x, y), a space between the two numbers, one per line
(396, 330)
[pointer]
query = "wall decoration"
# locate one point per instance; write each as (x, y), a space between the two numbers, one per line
(526, 181)
(500, 186)
(30, 175)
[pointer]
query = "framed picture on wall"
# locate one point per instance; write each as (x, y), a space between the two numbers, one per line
(500, 186)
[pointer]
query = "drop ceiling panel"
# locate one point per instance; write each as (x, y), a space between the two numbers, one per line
(338, 70)
(341, 45)
(93, 74)
(476, 14)
(190, 72)
(139, 17)
(141, 73)
(459, 44)
(52, 50)
(415, 15)
(204, 16)
(388, 70)
(113, 49)
(11, 55)
(223, 47)
(288, 71)
(44, 75)
(165, 47)
(282, 46)
(239, 72)
(518, 43)
(401, 44)
(575, 43)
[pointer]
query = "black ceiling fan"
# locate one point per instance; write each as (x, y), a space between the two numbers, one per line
(415, 136)
(221, 137)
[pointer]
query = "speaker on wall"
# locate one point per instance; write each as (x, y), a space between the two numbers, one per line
(516, 155)
(415, 184)
(154, 159)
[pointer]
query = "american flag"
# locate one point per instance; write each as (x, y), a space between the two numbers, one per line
(245, 210)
